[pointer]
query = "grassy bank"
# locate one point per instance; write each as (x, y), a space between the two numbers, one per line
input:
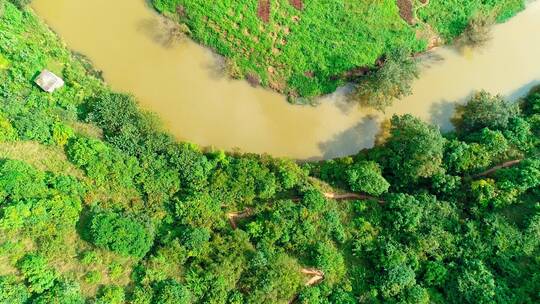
(309, 48)
(99, 205)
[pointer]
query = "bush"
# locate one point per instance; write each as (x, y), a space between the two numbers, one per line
(120, 233)
(172, 292)
(478, 31)
(38, 275)
(166, 6)
(485, 111)
(392, 81)
(64, 292)
(12, 291)
(111, 294)
(366, 177)
(92, 277)
(105, 165)
(20, 3)
(7, 132)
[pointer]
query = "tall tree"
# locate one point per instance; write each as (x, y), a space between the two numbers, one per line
(414, 149)
(391, 81)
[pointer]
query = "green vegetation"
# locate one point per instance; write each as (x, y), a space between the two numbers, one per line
(137, 217)
(392, 81)
(309, 48)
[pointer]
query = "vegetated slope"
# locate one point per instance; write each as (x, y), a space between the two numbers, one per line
(144, 219)
(309, 48)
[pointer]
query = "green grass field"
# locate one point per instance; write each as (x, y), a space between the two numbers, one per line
(309, 51)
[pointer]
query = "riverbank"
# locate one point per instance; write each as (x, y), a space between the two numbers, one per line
(305, 49)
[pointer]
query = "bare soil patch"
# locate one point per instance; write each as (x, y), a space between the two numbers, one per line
(263, 11)
(406, 10)
(298, 4)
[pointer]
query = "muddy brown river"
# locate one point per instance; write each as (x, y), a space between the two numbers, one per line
(183, 85)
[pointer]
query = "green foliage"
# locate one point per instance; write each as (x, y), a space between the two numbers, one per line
(115, 270)
(111, 294)
(392, 81)
(12, 291)
(61, 134)
(102, 163)
(330, 261)
(199, 210)
(19, 180)
(120, 233)
(475, 283)
(37, 205)
(310, 295)
(436, 274)
(270, 278)
(397, 279)
(38, 275)
(415, 149)
(451, 17)
(531, 104)
(404, 212)
(366, 177)
(64, 292)
(171, 292)
(166, 6)
(4, 63)
(21, 3)
(92, 277)
(486, 111)
(478, 31)
(7, 132)
(90, 257)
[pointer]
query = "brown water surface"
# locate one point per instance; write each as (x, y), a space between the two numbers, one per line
(183, 85)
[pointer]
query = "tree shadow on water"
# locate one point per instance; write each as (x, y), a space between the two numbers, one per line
(524, 90)
(164, 32)
(358, 137)
(441, 114)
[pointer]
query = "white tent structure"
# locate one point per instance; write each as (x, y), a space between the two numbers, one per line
(48, 81)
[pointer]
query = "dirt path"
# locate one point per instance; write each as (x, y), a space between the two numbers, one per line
(316, 276)
(351, 196)
(233, 216)
(406, 11)
(501, 166)
(263, 11)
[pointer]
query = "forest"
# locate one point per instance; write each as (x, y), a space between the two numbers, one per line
(98, 204)
(307, 48)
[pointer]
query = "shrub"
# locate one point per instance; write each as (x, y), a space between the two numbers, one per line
(111, 294)
(485, 111)
(478, 31)
(92, 277)
(120, 233)
(366, 177)
(392, 81)
(4, 63)
(90, 257)
(166, 6)
(38, 275)
(20, 3)
(171, 292)
(12, 292)
(65, 292)
(103, 164)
